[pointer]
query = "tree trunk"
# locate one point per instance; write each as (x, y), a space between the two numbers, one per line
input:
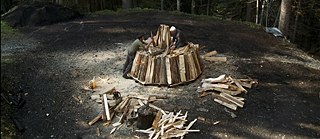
(208, 7)
(178, 5)
(285, 16)
(162, 5)
(248, 13)
(262, 11)
(257, 12)
(296, 21)
(135, 3)
(193, 5)
(126, 4)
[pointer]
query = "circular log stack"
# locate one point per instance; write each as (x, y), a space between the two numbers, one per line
(162, 66)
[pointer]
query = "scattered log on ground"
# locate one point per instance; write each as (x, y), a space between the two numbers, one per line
(211, 56)
(224, 90)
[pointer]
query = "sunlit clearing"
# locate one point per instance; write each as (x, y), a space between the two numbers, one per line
(102, 56)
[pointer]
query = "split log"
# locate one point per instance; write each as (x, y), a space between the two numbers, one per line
(182, 68)
(168, 69)
(157, 70)
(151, 76)
(229, 105)
(192, 66)
(147, 78)
(212, 53)
(94, 120)
(156, 120)
(232, 99)
(238, 84)
(210, 85)
(221, 78)
(134, 66)
(106, 106)
(216, 59)
(163, 75)
(223, 101)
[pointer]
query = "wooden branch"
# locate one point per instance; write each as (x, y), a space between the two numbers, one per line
(94, 120)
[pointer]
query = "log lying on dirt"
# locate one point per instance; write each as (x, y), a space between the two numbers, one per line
(224, 90)
(211, 56)
(162, 66)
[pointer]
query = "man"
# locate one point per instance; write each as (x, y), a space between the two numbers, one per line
(132, 50)
(179, 39)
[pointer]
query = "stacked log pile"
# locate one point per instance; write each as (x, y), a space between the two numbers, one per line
(225, 90)
(163, 66)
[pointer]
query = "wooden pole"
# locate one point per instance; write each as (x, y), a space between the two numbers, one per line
(106, 106)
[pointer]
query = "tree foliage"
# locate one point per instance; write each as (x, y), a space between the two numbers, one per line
(304, 22)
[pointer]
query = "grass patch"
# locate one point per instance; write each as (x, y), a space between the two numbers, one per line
(8, 32)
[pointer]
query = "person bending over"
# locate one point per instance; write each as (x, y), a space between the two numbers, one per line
(179, 39)
(132, 50)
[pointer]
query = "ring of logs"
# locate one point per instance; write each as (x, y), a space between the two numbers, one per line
(166, 67)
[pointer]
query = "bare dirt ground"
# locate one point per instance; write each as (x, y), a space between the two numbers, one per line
(53, 63)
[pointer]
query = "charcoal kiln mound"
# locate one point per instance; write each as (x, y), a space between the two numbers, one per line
(160, 65)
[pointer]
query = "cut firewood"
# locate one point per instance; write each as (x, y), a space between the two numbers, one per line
(106, 106)
(113, 130)
(232, 99)
(218, 85)
(116, 124)
(238, 84)
(94, 120)
(229, 105)
(221, 78)
(216, 59)
(156, 120)
(122, 104)
(212, 53)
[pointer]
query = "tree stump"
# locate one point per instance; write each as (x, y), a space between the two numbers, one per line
(145, 117)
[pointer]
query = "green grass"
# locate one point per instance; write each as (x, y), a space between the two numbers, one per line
(8, 32)
(8, 130)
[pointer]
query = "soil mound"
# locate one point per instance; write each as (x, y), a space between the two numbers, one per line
(38, 15)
